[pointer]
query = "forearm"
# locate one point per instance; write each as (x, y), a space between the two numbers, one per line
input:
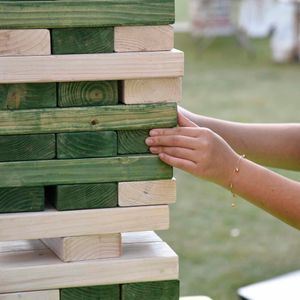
(276, 145)
(269, 191)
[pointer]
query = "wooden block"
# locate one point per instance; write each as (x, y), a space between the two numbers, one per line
(105, 292)
(75, 171)
(52, 223)
(115, 117)
(27, 96)
(38, 295)
(157, 290)
(82, 40)
(22, 199)
(68, 13)
(27, 147)
(132, 141)
(155, 90)
(41, 269)
(147, 192)
(136, 237)
(87, 93)
(85, 247)
(85, 196)
(86, 144)
(106, 66)
(144, 38)
(25, 42)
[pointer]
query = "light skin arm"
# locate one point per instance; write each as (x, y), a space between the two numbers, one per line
(205, 154)
(274, 145)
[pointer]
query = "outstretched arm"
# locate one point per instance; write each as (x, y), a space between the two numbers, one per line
(274, 145)
(205, 154)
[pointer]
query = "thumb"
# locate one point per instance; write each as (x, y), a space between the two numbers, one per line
(184, 121)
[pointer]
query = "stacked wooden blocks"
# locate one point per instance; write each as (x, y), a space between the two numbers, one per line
(81, 85)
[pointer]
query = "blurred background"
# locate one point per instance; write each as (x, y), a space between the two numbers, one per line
(241, 64)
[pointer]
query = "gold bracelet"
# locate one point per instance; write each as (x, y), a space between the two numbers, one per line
(235, 171)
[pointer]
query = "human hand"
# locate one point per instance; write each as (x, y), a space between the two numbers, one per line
(194, 149)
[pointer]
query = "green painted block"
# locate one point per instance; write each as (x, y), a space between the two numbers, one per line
(27, 147)
(132, 141)
(86, 144)
(89, 13)
(87, 93)
(96, 118)
(27, 96)
(89, 170)
(23, 199)
(82, 40)
(106, 292)
(85, 196)
(159, 290)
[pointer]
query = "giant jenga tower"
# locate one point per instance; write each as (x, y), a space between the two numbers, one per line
(81, 84)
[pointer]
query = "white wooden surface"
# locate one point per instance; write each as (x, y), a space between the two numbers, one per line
(85, 67)
(144, 38)
(147, 192)
(25, 42)
(41, 269)
(153, 90)
(39, 295)
(85, 247)
(52, 223)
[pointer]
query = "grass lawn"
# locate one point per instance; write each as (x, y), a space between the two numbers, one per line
(224, 82)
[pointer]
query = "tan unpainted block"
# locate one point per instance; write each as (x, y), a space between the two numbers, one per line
(91, 67)
(85, 247)
(135, 91)
(41, 269)
(51, 223)
(144, 38)
(25, 42)
(39, 295)
(140, 193)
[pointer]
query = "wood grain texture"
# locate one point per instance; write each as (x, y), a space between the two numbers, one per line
(132, 141)
(21, 199)
(27, 96)
(25, 42)
(91, 13)
(85, 196)
(157, 290)
(38, 295)
(86, 144)
(76, 171)
(82, 40)
(52, 223)
(80, 248)
(144, 38)
(106, 66)
(27, 147)
(147, 192)
(103, 292)
(122, 117)
(87, 93)
(41, 269)
(155, 90)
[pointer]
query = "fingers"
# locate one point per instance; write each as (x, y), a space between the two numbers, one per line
(179, 163)
(172, 141)
(184, 121)
(186, 131)
(183, 153)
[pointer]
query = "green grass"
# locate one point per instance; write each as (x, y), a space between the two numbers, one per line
(221, 80)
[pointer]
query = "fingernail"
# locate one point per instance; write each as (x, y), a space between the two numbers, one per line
(153, 149)
(153, 132)
(149, 141)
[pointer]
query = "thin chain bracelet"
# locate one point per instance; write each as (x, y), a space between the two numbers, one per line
(235, 171)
